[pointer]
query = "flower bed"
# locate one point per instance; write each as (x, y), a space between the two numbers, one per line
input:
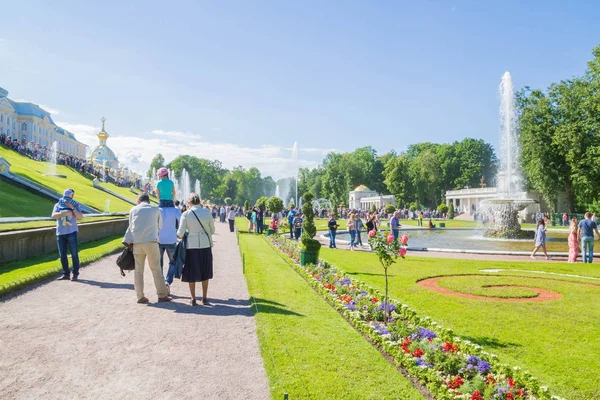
(451, 368)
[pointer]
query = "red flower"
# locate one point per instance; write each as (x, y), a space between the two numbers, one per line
(490, 380)
(509, 396)
(511, 383)
(449, 347)
(456, 383)
(418, 353)
(520, 392)
(476, 395)
(405, 345)
(374, 300)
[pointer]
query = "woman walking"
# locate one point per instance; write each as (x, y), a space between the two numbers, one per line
(351, 226)
(199, 226)
(540, 239)
(573, 241)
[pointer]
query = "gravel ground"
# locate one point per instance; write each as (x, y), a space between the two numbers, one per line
(91, 340)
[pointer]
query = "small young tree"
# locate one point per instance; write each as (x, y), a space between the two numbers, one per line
(451, 211)
(373, 208)
(275, 205)
(262, 202)
(390, 209)
(387, 251)
(309, 229)
(442, 208)
(246, 205)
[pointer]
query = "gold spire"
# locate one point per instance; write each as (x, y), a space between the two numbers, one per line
(103, 120)
(103, 135)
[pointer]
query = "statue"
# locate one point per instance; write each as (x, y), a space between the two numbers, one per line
(482, 182)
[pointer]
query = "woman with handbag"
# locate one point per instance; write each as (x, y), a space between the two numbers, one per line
(199, 225)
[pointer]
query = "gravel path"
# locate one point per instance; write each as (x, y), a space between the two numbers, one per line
(91, 340)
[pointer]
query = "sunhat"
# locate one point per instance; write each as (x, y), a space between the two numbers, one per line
(162, 172)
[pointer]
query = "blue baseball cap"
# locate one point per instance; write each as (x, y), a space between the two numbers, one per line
(69, 192)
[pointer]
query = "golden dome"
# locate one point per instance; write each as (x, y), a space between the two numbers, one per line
(362, 188)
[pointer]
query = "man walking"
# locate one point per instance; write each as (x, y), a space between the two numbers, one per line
(222, 214)
(395, 225)
(144, 224)
(167, 239)
(586, 230)
(66, 233)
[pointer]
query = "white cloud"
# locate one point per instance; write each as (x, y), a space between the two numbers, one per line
(137, 152)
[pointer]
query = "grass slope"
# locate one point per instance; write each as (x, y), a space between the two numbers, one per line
(46, 224)
(308, 349)
(84, 190)
(25, 269)
(17, 202)
(557, 340)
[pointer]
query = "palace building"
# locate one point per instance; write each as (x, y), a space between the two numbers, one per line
(102, 154)
(28, 122)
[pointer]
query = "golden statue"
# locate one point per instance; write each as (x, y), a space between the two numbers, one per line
(482, 182)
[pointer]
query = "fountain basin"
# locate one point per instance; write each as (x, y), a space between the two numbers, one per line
(501, 217)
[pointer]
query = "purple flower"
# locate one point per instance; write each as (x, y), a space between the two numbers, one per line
(365, 308)
(423, 333)
(383, 306)
(363, 292)
(422, 363)
(483, 367)
(381, 329)
(350, 307)
(345, 282)
(473, 360)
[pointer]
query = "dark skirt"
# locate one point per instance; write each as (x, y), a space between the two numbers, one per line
(198, 265)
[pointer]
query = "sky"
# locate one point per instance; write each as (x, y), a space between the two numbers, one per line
(241, 81)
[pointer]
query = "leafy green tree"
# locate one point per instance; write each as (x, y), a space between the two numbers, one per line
(451, 211)
(157, 162)
(275, 204)
(373, 208)
(442, 208)
(390, 209)
(397, 179)
(246, 205)
(262, 202)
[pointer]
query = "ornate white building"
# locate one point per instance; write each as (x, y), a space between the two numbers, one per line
(362, 198)
(102, 154)
(28, 122)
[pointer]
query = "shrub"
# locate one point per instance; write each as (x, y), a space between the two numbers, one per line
(309, 229)
(246, 205)
(442, 208)
(390, 208)
(275, 204)
(451, 211)
(373, 208)
(262, 202)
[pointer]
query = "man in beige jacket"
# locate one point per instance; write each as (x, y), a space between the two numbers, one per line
(142, 234)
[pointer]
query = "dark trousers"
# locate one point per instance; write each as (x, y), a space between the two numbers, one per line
(231, 224)
(332, 238)
(298, 231)
(170, 249)
(259, 226)
(68, 241)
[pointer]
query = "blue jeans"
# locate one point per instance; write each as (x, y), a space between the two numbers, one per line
(587, 248)
(298, 231)
(395, 233)
(332, 238)
(358, 238)
(352, 238)
(70, 241)
(170, 249)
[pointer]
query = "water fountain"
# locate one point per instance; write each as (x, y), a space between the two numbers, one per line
(107, 206)
(322, 204)
(104, 171)
(53, 160)
(502, 212)
(296, 168)
(184, 184)
(197, 189)
(277, 191)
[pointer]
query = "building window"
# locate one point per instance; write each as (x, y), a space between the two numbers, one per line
(23, 126)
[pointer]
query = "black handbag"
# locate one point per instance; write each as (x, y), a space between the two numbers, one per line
(126, 261)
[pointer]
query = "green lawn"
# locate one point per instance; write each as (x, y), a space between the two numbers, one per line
(17, 202)
(26, 271)
(556, 340)
(84, 190)
(45, 224)
(309, 350)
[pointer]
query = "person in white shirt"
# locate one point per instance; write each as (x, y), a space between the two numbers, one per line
(142, 234)
(222, 214)
(231, 218)
(197, 223)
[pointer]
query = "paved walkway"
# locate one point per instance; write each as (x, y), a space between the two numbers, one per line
(91, 340)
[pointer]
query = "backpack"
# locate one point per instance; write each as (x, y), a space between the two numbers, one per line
(126, 261)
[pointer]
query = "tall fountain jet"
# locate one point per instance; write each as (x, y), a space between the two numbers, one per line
(509, 177)
(503, 210)
(295, 158)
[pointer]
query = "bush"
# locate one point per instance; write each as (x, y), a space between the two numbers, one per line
(442, 208)
(262, 202)
(246, 205)
(373, 208)
(275, 204)
(414, 206)
(309, 229)
(390, 208)
(451, 211)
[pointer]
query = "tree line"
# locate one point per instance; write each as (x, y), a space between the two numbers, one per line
(560, 139)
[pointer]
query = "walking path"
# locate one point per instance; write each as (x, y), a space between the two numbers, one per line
(91, 340)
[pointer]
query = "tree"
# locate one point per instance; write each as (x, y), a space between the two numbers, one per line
(397, 180)
(309, 229)
(275, 204)
(442, 208)
(246, 205)
(451, 211)
(157, 162)
(373, 208)
(262, 202)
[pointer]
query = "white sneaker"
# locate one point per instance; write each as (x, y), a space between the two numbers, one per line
(532, 257)
(168, 289)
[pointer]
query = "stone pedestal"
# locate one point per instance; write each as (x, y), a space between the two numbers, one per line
(4, 167)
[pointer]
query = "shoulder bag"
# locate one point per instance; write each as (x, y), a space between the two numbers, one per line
(205, 232)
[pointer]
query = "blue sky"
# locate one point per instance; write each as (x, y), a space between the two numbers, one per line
(242, 80)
